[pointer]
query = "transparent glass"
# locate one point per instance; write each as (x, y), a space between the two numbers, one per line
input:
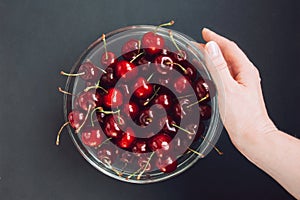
(148, 170)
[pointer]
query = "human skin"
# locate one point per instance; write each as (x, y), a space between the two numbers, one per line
(245, 116)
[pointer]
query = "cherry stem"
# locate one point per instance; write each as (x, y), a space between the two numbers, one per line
(100, 109)
(123, 168)
(149, 78)
(170, 23)
(95, 87)
(87, 114)
(152, 97)
(196, 152)
(186, 131)
(105, 49)
(67, 74)
(104, 142)
(179, 65)
(59, 132)
(204, 139)
(189, 95)
(215, 148)
(112, 168)
(175, 44)
(135, 57)
(139, 46)
(146, 165)
(202, 99)
(133, 174)
(64, 92)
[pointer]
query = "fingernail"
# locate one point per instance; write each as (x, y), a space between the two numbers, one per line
(212, 49)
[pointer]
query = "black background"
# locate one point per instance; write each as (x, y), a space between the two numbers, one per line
(40, 38)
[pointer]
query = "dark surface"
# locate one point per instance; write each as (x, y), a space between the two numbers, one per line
(40, 38)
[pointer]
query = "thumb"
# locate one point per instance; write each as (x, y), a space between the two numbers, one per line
(218, 66)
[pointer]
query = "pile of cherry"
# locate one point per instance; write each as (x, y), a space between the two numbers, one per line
(148, 86)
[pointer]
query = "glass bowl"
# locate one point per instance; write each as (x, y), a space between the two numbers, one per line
(128, 133)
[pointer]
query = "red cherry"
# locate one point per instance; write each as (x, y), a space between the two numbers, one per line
(126, 157)
(165, 124)
(180, 55)
(126, 139)
(181, 85)
(153, 43)
(164, 64)
(201, 89)
(164, 100)
(126, 70)
(87, 99)
(131, 109)
(89, 71)
(142, 89)
(145, 118)
(92, 136)
(108, 59)
(108, 154)
(113, 127)
(182, 110)
(130, 49)
(167, 164)
(108, 79)
(140, 146)
(205, 111)
(76, 118)
(113, 98)
(160, 141)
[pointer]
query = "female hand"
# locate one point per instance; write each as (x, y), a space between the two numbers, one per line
(245, 116)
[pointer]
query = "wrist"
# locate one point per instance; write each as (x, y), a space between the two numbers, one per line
(253, 136)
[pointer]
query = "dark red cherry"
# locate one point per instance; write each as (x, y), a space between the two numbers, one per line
(143, 62)
(130, 49)
(127, 139)
(131, 109)
(108, 59)
(90, 72)
(108, 154)
(183, 109)
(180, 55)
(201, 89)
(127, 157)
(108, 79)
(166, 164)
(181, 85)
(160, 141)
(113, 98)
(164, 100)
(165, 124)
(126, 70)
(140, 146)
(76, 118)
(191, 73)
(142, 89)
(153, 43)
(145, 117)
(113, 128)
(205, 111)
(164, 64)
(88, 99)
(92, 136)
